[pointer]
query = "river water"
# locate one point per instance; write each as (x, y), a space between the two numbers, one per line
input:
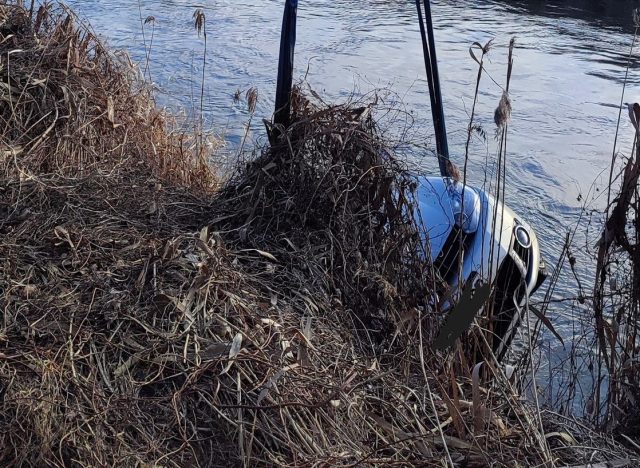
(569, 67)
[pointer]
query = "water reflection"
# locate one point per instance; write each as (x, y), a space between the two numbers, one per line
(601, 13)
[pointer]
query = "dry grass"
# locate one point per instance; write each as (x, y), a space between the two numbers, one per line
(69, 105)
(150, 321)
(616, 301)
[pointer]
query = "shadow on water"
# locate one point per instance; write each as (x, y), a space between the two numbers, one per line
(607, 13)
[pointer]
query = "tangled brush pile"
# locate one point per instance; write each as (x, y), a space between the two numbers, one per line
(330, 190)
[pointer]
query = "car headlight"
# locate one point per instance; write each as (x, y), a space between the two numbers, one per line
(522, 237)
(466, 207)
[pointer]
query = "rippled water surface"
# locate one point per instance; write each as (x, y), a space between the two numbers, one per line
(567, 78)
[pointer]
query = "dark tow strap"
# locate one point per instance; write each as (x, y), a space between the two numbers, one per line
(431, 64)
(284, 84)
(282, 111)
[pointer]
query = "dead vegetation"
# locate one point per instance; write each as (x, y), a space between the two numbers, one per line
(149, 320)
(69, 105)
(617, 299)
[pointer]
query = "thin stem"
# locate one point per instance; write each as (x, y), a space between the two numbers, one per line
(144, 41)
(204, 63)
(615, 140)
(244, 138)
(466, 155)
(147, 69)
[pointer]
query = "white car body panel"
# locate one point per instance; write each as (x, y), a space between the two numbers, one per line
(486, 248)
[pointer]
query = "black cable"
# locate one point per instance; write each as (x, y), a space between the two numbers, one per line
(436, 78)
(285, 64)
(433, 78)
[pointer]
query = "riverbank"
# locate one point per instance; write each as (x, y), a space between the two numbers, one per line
(154, 314)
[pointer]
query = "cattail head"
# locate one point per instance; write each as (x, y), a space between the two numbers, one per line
(252, 99)
(503, 111)
(199, 23)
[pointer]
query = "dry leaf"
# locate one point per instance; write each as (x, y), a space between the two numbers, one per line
(568, 438)
(111, 112)
(204, 234)
(236, 345)
(267, 255)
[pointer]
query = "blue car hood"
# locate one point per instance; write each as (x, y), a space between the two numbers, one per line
(435, 212)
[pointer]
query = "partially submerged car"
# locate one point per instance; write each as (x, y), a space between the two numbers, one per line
(473, 237)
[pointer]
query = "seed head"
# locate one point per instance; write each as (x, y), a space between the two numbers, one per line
(200, 19)
(503, 111)
(252, 99)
